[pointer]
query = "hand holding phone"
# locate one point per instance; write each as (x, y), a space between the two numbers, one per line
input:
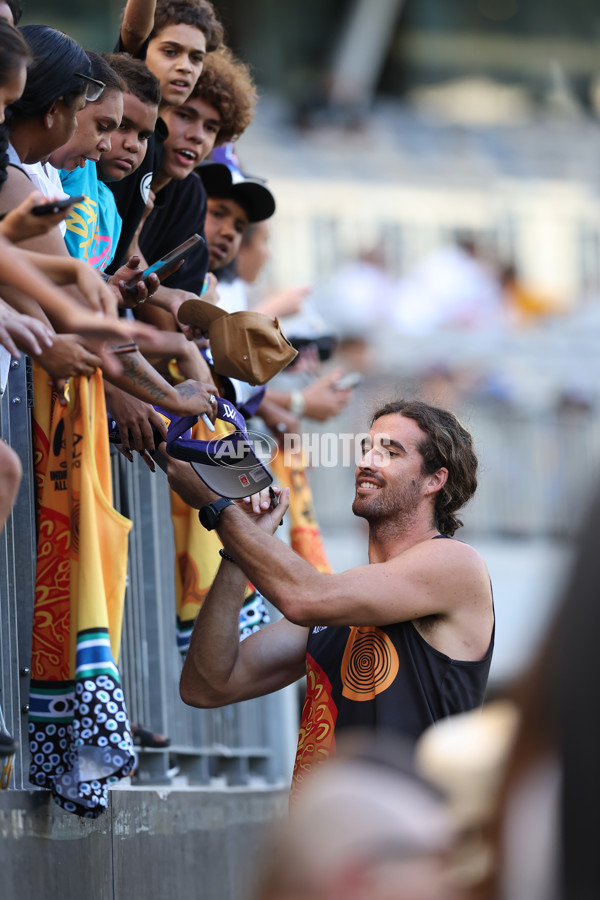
(56, 206)
(348, 381)
(163, 266)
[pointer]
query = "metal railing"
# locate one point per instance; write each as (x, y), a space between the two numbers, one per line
(245, 743)
(17, 569)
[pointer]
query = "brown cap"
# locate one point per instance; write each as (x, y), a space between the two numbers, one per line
(249, 346)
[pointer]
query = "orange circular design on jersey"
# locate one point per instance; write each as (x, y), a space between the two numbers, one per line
(370, 663)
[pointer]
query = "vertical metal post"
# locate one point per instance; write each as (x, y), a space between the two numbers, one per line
(360, 53)
(17, 575)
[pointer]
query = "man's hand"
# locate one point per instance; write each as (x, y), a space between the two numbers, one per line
(192, 490)
(68, 357)
(322, 401)
(97, 292)
(21, 332)
(176, 296)
(194, 399)
(210, 295)
(267, 508)
(134, 419)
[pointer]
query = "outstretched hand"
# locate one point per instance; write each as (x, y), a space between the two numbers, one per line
(322, 400)
(22, 332)
(196, 398)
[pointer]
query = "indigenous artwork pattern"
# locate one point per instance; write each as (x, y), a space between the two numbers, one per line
(79, 734)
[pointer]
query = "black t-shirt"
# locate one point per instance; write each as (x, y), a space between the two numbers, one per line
(131, 194)
(179, 211)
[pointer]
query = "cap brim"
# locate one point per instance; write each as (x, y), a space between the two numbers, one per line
(199, 313)
(242, 476)
(230, 469)
(255, 198)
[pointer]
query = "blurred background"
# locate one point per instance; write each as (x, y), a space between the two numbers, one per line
(435, 166)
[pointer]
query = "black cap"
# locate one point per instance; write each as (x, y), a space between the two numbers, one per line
(251, 193)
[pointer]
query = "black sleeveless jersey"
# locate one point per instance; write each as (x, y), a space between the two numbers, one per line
(386, 678)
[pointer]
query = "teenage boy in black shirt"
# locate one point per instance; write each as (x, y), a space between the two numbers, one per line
(218, 111)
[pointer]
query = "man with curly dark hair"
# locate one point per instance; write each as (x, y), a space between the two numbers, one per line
(446, 444)
(394, 645)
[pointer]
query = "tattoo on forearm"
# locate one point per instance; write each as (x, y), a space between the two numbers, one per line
(134, 372)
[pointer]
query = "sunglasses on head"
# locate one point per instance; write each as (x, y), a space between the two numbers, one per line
(93, 87)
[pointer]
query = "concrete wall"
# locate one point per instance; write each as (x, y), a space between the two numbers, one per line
(149, 845)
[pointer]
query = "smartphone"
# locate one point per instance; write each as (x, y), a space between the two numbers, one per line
(50, 209)
(325, 345)
(166, 262)
(350, 380)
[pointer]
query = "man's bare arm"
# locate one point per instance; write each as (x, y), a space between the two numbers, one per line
(446, 579)
(190, 362)
(431, 578)
(218, 669)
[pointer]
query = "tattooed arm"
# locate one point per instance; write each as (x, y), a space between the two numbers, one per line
(141, 380)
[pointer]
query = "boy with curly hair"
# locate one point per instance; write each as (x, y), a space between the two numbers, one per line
(218, 111)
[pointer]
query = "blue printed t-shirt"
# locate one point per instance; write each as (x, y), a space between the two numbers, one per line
(94, 225)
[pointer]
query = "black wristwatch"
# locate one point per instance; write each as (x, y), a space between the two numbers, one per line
(210, 514)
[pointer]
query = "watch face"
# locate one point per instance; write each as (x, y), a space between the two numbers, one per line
(210, 514)
(207, 517)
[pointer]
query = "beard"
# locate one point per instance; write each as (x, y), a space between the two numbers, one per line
(395, 505)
